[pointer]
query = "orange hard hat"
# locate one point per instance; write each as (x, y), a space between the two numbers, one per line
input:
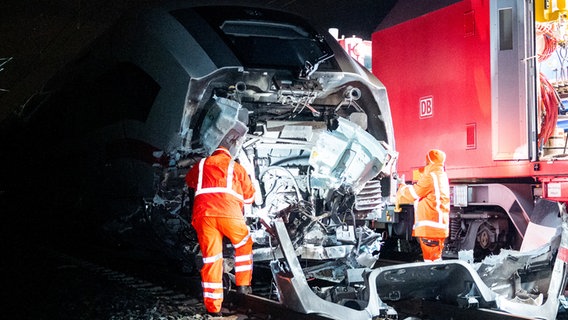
(435, 156)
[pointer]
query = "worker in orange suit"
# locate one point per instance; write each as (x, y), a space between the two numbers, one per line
(431, 198)
(222, 187)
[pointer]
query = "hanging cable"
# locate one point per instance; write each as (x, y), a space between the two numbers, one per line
(550, 42)
(548, 109)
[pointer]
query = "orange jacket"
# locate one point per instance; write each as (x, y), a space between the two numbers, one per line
(222, 186)
(431, 198)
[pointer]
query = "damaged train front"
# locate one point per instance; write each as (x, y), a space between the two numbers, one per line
(317, 151)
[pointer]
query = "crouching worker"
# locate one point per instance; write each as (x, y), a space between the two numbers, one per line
(431, 198)
(222, 187)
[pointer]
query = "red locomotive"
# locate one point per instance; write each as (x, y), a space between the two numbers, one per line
(484, 81)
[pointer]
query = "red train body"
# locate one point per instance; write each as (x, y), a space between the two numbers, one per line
(470, 79)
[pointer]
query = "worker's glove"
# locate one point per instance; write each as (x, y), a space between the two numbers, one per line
(397, 207)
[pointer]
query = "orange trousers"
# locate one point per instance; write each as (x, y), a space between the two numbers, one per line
(431, 248)
(210, 233)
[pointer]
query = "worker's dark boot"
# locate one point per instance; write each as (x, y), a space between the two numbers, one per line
(244, 289)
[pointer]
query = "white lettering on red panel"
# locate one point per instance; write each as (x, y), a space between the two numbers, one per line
(426, 107)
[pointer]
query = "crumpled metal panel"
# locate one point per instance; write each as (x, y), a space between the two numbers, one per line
(324, 253)
(296, 294)
(524, 284)
(451, 281)
(348, 156)
(548, 309)
(221, 120)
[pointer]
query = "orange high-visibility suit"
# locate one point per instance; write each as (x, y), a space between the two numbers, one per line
(222, 187)
(431, 198)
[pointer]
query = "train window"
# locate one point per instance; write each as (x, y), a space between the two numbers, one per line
(259, 38)
(273, 45)
(263, 29)
(506, 29)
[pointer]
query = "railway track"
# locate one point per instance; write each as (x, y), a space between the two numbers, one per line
(147, 291)
(177, 296)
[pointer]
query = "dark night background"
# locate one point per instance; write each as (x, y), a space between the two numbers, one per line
(40, 36)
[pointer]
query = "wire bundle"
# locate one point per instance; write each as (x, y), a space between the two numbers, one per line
(548, 109)
(550, 41)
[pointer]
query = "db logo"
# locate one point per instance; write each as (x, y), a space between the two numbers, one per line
(426, 107)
